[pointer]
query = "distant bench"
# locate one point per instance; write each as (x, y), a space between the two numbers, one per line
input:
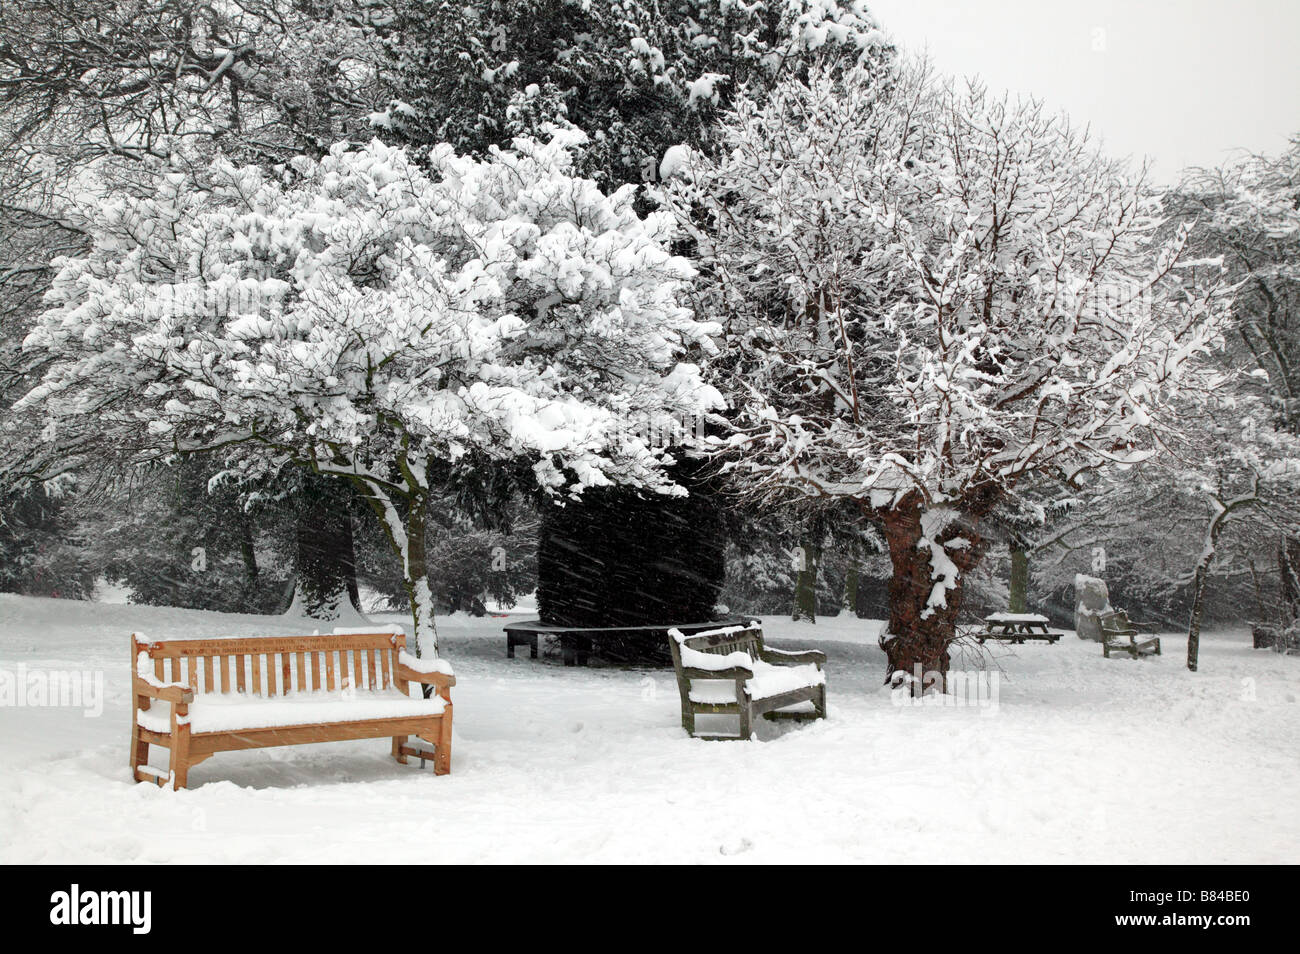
(220, 695)
(1120, 635)
(576, 642)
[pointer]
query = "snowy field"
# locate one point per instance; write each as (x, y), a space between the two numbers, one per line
(1083, 759)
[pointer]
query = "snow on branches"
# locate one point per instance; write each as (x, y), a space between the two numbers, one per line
(934, 295)
(368, 317)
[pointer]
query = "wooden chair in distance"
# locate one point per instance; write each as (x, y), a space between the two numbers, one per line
(1118, 635)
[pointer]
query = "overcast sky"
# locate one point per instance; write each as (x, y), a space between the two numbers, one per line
(1184, 82)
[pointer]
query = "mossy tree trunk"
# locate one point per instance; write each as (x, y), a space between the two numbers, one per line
(807, 556)
(851, 586)
(1019, 596)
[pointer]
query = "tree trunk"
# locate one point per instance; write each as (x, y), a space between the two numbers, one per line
(1219, 514)
(851, 584)
(417, 575)
(1288, 571)
(1018, 601)
(923, 603)
(1258, 588)
(1198, 604)
(406, 535)
(805, 587)
(248, 553)
(326, 566)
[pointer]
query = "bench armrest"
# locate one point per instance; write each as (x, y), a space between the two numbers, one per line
(733, 674)
(173, 692)
(782, 657)
(440, 679)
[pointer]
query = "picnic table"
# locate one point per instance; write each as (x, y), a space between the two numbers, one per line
(1016, 628)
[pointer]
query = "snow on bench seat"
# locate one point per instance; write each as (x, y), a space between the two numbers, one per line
(228, 712)
(767, 681)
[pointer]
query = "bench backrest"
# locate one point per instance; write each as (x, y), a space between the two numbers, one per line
(1115, 620)
(720, 642)
(275, 665)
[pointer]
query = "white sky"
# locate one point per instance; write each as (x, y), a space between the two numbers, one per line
(1184, 82)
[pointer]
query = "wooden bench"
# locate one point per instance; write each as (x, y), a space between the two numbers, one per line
(1118, 635)
(730, 671)
(1016, 628)
(220, 695)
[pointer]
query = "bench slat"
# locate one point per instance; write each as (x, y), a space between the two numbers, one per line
(267, 644)
(267, 666)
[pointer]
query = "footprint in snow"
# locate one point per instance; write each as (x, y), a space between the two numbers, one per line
(736, 848)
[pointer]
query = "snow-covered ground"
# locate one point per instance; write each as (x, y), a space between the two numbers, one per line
(1083, 759)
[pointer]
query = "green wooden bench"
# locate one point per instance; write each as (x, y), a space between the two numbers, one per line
(1118, 635)
(729, 671)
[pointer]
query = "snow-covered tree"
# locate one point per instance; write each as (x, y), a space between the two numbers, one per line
(91, 90)
(933, 295)
(371, 320)
(1247, 214)
(637, 76)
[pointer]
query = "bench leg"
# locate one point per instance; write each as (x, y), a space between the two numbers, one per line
(746, 721)
(398, 742)
(820, 704)
(442, 755)
(688, 718)
(532, 646)
(180, 760)
(139, 752)
(510, 648)
(180, 764)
